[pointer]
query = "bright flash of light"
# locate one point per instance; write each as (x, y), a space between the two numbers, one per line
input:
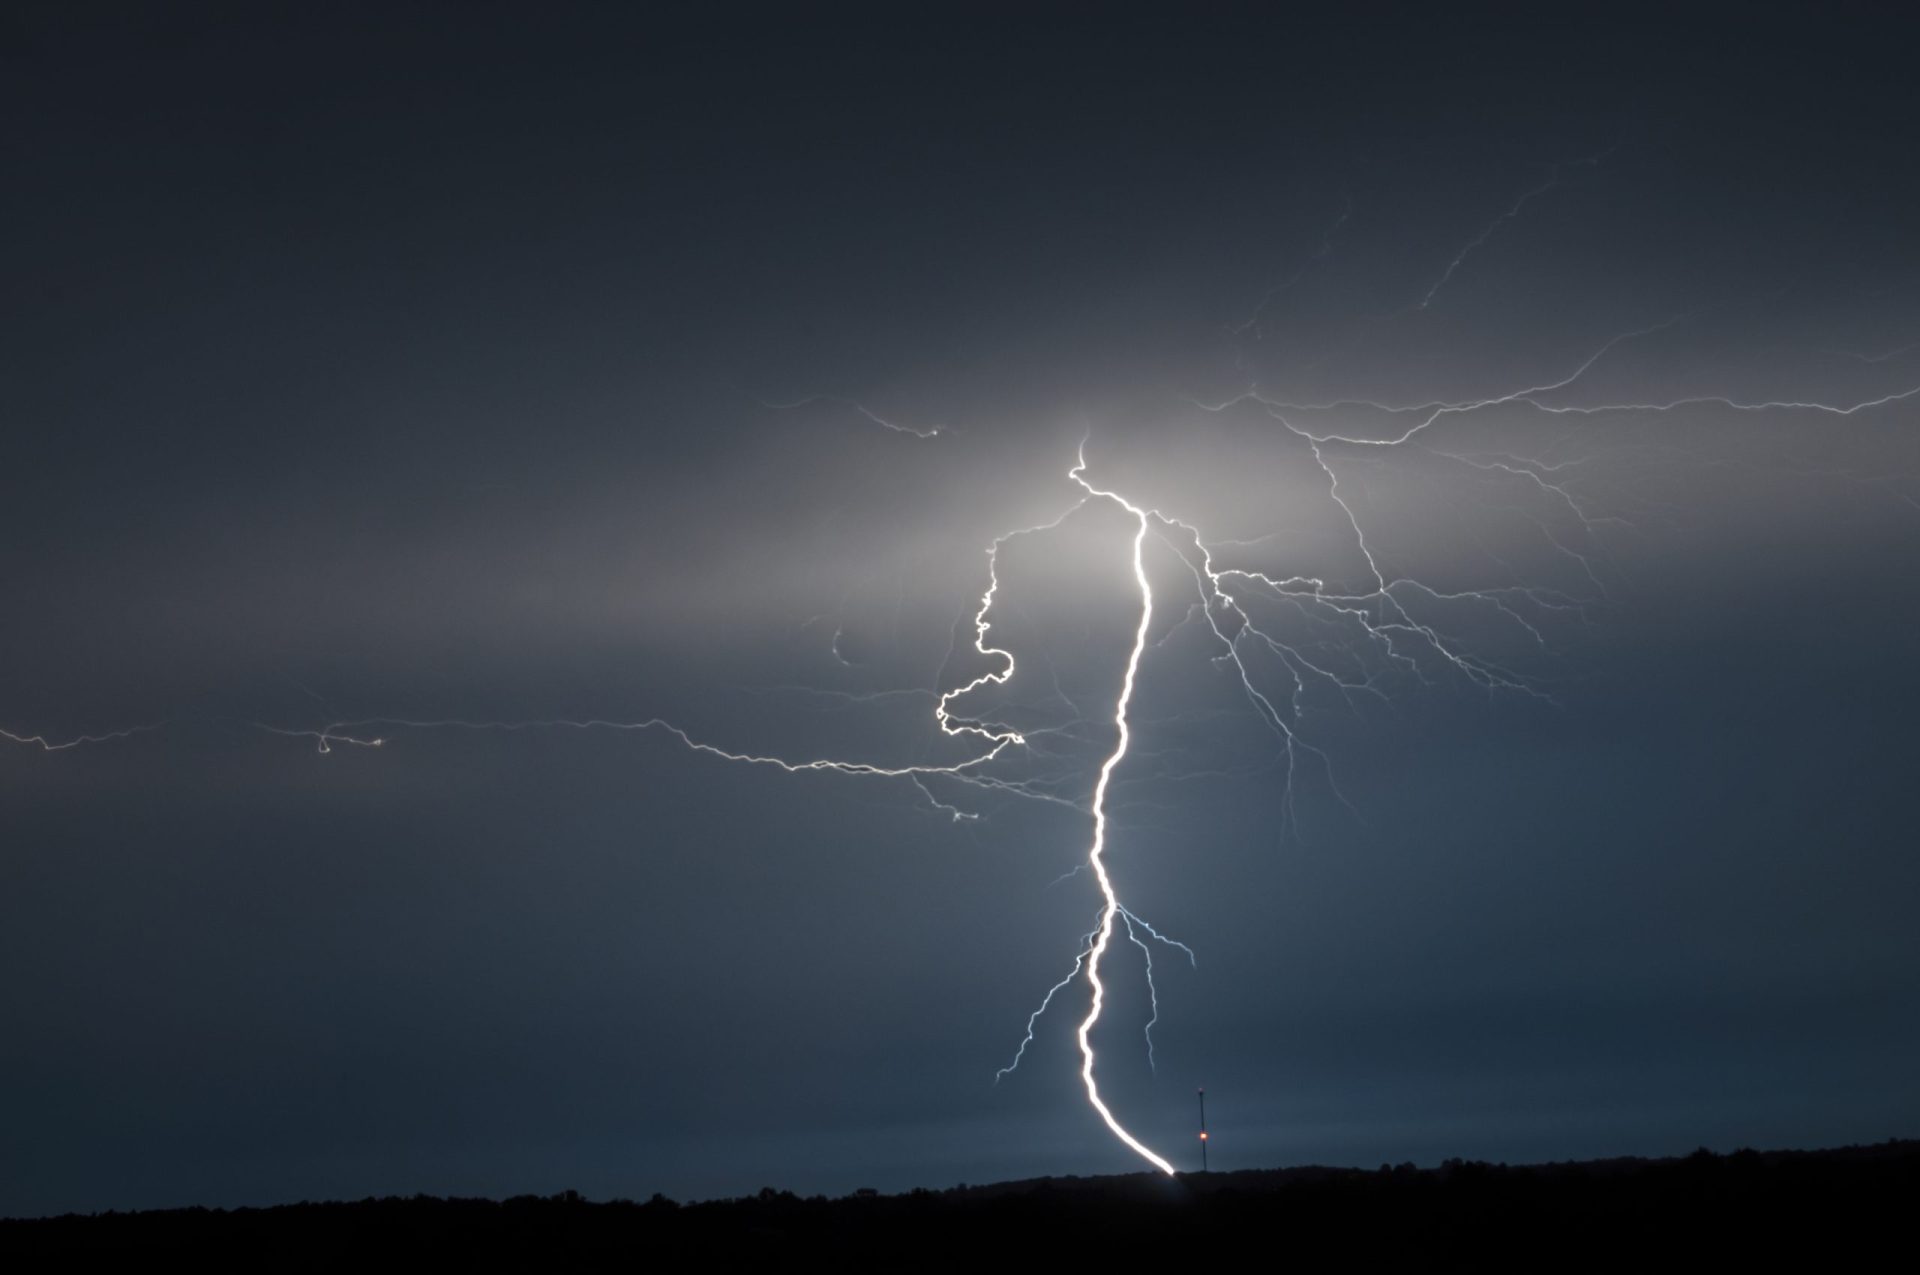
(1387, 624)
(1097, 851)
(1383, 615)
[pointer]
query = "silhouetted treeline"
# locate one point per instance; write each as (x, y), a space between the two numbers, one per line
(1824, 1206)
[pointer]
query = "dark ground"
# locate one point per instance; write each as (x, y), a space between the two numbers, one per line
(1834, 1206)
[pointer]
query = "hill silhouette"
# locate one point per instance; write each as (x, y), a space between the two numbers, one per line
(1824, 1206)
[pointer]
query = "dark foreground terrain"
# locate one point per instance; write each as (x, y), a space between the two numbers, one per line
(1824, 1206)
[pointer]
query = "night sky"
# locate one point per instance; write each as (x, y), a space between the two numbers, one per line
(436, 362)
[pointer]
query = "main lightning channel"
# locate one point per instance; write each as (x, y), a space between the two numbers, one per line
(1096, 854)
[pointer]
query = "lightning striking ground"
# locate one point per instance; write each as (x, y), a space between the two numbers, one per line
(995, 739)
(1382, 614)
(1384, 622)
(765, 366)
(1096, 853)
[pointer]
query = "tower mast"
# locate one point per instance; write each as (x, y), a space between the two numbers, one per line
(1203, 1130)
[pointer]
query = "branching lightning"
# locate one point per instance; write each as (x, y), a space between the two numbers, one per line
(1376, 627)
(1383, 616)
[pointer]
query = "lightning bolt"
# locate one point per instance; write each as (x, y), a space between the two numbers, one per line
(1885, 356)
(1146, 954)
(860, 409)
(1383, 613)
(1365, 632)
(1253, 322)
(1096, 853)
(995, 739)
(47, 744)
(1479, 240)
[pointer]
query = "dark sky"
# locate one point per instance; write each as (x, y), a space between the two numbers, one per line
(430, 361)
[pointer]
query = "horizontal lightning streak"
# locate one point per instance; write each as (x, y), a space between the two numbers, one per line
(50, 745)
(856, 406)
